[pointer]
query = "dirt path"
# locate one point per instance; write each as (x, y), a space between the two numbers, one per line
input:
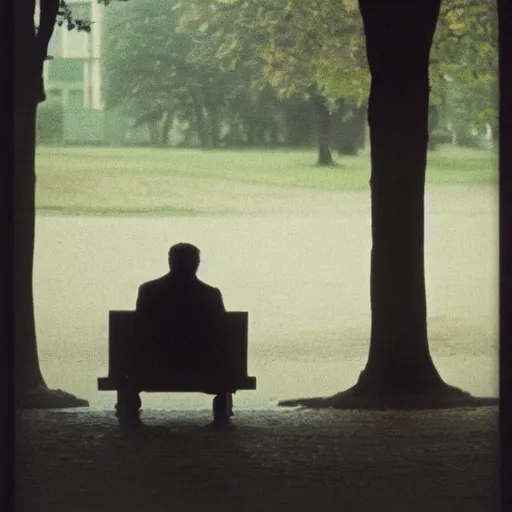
(430, 461)
(303, 278)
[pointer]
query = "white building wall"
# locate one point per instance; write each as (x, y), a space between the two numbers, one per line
(84, 46)
(80, 92)
(97, 17)
(97, 100)
(95, 55)
(64, 42)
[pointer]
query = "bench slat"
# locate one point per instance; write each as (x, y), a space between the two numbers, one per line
(177, 385)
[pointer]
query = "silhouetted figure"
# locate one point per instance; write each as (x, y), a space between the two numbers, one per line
(193, 311)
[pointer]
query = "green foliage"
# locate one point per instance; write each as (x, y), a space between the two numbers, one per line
(161, 58)
(145, 60)
(330, 36)
(464, 66)
(299, 44)
(180, 56)
(65, 16)
(293, 44)
(154, 65)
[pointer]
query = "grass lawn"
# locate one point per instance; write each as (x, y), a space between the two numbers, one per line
(106, 181)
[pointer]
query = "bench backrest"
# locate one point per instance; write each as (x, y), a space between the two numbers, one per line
(123, 329)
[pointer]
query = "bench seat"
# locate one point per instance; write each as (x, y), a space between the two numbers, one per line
(180, 384)
(122, 329)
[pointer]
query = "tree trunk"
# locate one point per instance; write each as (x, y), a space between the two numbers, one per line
(399, 372)
(27, 371)
(274, 133)
(324, 131)
(152, 132)
(337, 124)
(252, 132)
(29, 92)
(234, 136)
(214, 125)
(399, 357)
(188, 136)
(29, 386)
(200, 121)
(504, 128)
(261, 132)
(166, 127)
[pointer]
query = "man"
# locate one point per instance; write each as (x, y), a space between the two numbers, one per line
(193, 311)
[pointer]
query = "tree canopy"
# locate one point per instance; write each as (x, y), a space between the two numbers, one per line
(465, 61)
(178, 56)
(305, 42)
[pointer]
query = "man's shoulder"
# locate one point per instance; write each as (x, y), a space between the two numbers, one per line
(154, 283)
(207, 288)
(167, 284)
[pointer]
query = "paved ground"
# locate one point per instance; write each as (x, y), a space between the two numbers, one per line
(428, 461)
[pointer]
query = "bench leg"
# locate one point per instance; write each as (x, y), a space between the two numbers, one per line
(222, 407)
(128, 406)
(230, 404)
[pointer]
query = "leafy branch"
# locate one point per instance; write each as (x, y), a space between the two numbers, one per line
(65, 16)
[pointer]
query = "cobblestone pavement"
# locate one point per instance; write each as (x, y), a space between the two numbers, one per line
(272, 460)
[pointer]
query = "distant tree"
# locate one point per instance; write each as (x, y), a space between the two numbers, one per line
(464, 66)
(158, 69)
(349, 127)
(148, 73)
(323, 127)
(296, 44)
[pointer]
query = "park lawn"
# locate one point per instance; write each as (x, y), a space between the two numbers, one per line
(107, 181)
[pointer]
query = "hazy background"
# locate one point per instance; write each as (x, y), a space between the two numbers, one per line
(169, 121)
(304, 278)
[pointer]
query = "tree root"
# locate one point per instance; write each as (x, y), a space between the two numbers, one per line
(44, 398)
(363, 397)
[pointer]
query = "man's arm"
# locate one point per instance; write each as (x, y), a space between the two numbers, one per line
(142, 300)
(220, 302)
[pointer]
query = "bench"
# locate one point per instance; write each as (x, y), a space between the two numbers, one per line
(121, 336)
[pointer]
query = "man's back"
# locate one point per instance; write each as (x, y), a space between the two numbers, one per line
(182, 320)
(173, 295)
(181, 329)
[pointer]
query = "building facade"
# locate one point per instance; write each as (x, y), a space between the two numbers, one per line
(74, 82)
(73, 71)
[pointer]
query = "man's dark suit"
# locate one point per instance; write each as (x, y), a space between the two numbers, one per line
(193, 310)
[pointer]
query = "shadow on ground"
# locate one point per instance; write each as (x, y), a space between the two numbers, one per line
(289, 459)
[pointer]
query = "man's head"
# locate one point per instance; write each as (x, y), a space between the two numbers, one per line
(184, 259)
